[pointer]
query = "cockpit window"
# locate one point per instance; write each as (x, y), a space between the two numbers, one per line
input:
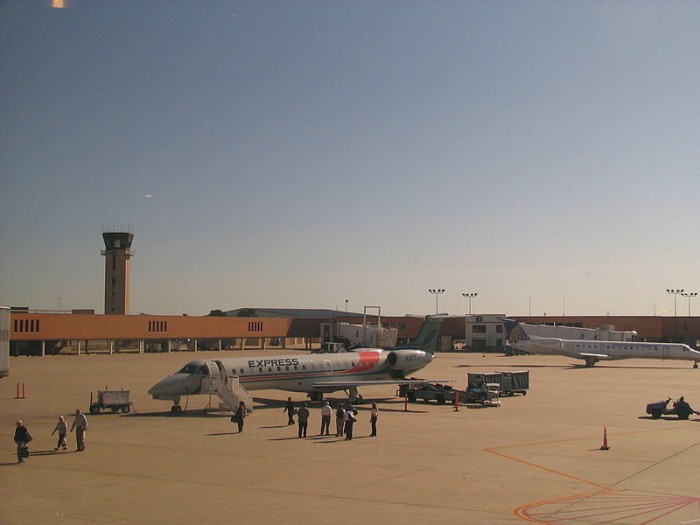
(195, 369)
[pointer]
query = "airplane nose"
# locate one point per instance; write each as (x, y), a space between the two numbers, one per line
(156, 389)
(167, 386)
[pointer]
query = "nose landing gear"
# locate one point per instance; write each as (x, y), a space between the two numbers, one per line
(176, 408)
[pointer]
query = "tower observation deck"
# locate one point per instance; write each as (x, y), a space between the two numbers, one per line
(117, 253)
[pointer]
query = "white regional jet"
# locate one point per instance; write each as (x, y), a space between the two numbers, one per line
(315, 374)
(592, 351)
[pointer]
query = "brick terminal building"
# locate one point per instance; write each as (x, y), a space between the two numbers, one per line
(40, 333)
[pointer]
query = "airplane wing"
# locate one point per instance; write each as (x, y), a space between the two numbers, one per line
(584, 355)
(379, 382)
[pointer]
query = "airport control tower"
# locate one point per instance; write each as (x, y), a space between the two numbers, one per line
(117, 253)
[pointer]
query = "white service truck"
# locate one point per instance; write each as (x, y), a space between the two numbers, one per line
(114, 400)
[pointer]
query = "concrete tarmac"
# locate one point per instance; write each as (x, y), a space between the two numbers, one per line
(535, 458)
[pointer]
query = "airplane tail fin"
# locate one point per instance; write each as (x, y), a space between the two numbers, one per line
(514, 332)
(427, 337)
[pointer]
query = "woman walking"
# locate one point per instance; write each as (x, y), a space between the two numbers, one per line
(240, 416)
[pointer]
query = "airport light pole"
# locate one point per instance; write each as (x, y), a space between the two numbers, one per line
(469, 297)
(689, 295)
(436, 292)
(675, 293)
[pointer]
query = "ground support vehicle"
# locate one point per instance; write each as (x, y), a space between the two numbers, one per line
(660, 408)
(114, 400)
(486, 396)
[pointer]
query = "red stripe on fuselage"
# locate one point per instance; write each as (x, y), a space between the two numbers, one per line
(368, 360)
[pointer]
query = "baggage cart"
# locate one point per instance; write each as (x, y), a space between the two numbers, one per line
(515, 382)
(510, 382)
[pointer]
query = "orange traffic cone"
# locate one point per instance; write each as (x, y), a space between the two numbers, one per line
(18, 396)
(605, 446)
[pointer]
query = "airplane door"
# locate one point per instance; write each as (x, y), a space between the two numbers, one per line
(213, 370)
(328, 366)
(210, 377)
(222, 370)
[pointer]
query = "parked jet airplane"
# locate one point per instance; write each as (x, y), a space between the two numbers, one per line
(315, 374)
(592, 351)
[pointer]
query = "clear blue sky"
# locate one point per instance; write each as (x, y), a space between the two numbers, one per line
(300, 153)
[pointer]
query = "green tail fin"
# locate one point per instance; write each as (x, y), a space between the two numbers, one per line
(427, 337)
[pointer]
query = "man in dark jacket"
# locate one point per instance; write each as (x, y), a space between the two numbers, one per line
(289, 409)
(22, 437)
(303, 420)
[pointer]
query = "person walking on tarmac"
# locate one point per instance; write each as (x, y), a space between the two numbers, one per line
(240, 416)
(289, 409)
(22, 437)
(303, 420)
(62, 430)
(80, 425)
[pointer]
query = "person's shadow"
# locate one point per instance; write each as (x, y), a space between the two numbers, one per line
(40, 453)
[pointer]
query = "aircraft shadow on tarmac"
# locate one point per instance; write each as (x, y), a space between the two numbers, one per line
(194, 412)
(670, 417)
(273, 404)
(583, 366)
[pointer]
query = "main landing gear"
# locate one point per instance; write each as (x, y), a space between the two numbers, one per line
(353, 396)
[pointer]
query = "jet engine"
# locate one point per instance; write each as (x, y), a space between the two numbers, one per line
(408, 359)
